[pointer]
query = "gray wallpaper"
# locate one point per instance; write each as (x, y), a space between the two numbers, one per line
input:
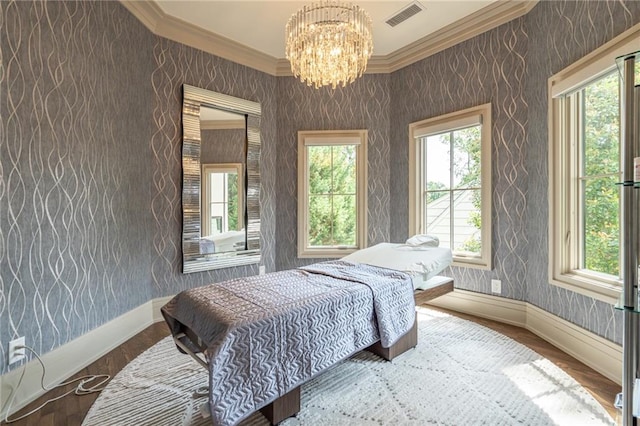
(90, 162)
(90, 156)
(174, 65)
(362, 105)
(75, 123)
(487, 68)
(561, 33)
(222, 146)
(509, 67)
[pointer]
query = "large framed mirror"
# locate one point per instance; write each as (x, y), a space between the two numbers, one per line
(220, 180)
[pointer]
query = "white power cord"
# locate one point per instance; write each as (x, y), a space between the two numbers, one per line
(80, 389)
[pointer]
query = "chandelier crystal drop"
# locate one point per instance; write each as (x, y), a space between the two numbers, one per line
(329, 43)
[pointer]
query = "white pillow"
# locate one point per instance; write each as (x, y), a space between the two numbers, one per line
(423, 240)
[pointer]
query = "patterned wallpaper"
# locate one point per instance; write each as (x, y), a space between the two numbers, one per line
(487, 68)
(561, 33)
(87, 94)
(74, 192)
(222, 146)
(362, 105)
(509, 67)
(90, 162)
(174, 65)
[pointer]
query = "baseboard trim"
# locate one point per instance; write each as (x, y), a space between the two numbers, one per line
(68, 359)
(598, 353)
(156, 305)
(500, 309)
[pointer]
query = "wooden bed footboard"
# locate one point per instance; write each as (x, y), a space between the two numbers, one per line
(424, 296)
(282, 408)
(404, 343)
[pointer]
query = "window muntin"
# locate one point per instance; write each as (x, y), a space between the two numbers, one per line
(450, 183)
(331, 193)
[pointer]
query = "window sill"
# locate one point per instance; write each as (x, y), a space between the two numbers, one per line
(468, 262)
(590, 287)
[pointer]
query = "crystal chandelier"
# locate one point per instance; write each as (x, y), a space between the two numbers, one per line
(329, 43)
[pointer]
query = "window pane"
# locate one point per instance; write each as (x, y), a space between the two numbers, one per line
(466, 158)
(218, 217)
(320, 220)
(344, 169)
(344, 224)
(601, 225)
(232, 206)
(319, 169)
(217, 184)
(467, 222)
(438, 173)
(438, 216)
(601, 151)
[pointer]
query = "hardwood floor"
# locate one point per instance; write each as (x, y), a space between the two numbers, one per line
(71, 409)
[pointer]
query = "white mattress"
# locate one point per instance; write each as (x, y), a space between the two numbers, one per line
(422, 263)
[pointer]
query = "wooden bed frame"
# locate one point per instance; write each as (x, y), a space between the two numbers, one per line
(289, 404)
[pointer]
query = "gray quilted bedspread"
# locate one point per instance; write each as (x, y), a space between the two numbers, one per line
(267, 334)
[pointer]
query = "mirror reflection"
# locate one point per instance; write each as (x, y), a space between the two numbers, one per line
(221, 180)
(222, 157)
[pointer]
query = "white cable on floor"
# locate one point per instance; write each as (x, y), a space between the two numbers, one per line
(80, 389)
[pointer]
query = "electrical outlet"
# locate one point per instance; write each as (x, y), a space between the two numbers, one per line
(262, 269)
(17, 352)
(496, 286)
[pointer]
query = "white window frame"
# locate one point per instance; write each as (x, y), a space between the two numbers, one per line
(564, 251)
(220, 168)
(457, 120)
(323, 138)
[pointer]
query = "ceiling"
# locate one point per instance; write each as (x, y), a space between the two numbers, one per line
(261, 24)
(252, 32)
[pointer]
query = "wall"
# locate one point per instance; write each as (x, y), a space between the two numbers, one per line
(509, 67)
(74, 179)
(222, 146)
(562, 33)
(90, 166)
(486, 68)
(176, 64)
(90, 177)
(363, 104)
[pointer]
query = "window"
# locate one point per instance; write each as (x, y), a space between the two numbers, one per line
(584, 166)
(332, 192)
(222, 208)
(450, 183)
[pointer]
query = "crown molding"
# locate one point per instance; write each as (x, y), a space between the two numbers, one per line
(483, 20)
(158, 22)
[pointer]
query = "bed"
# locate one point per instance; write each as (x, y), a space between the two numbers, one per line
(264, 336)
(223, 242)
(421, 262)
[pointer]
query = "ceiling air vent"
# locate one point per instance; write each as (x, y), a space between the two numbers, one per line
(404, 14)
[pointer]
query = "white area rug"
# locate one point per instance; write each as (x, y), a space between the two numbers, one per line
(461, 373)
